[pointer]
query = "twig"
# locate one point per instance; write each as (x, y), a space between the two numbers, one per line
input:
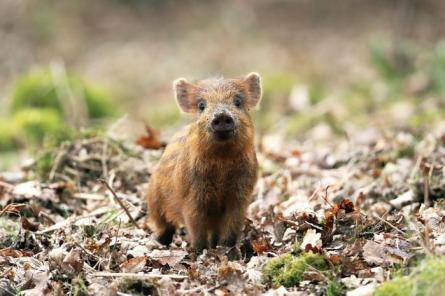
(139, 275)
(426, 188)
(15, 209)
(47, 217)
(389, 224)
(63, 223)
(57, 161)
(313, 225)
(325, 198)
(89, 196)
(120, 202)
(104, 159)
(223, 283)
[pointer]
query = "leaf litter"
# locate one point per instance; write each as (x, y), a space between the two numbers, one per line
(363, 208)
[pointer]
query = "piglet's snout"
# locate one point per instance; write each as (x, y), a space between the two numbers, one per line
(222, 123)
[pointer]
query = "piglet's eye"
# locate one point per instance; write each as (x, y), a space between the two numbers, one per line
(237, 101)
(201, 105)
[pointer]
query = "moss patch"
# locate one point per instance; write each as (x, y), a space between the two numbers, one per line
(35, 124)
(39, 90)
(335, 288)
(9, 230)
(426, 279)
(288, 270)
(9, 135)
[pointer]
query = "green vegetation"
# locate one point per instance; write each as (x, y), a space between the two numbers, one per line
(40, 89)
(35, 124)
(437, 71)
(9, 231)
(392, 63)
(335, 289)
(288, 270)
(41, 107)
(426, 279)
(9, 135)
(79, 286)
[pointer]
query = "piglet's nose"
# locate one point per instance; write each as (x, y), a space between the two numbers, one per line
(222, 123)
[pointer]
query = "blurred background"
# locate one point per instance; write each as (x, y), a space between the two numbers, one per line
(329, 67)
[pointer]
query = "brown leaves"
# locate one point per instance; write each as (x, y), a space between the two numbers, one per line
(74, 260)
(336, 212)
(27, 225)
(168, 257)
(10, 252)
(386, 249)
(260, 245)
(133, 265)
(150, 140)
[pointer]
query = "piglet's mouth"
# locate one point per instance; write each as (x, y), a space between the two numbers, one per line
(224, 135)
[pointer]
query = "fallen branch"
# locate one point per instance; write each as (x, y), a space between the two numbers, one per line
(120, 202)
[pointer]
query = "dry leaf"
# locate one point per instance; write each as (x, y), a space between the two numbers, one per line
(375, 253)
(28, 225)
(135, 264)
(74, 259)
(150, 140)
(170, 257)
(311, 238)
(260, 246)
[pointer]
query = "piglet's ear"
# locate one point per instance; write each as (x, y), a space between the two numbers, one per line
(184, 95)
(253, 86)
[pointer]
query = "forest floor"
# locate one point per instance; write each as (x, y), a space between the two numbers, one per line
(331, 216)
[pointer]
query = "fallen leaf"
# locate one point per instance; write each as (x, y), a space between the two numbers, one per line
(170, 257)
(150, 140)
(260, 246)
(135, 264)
(74, 259)
(28, 225)
(375, 253)
(311, 238)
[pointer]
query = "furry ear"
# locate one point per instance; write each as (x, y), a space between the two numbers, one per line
(253, 86)
(184, 95)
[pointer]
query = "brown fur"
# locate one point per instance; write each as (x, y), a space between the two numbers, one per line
(200, 182)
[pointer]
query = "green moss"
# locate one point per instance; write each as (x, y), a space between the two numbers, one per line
(39, 90)
(9, 135)
(335, 289)
(79, 286)
(35, 124)
(392, 63)
(288, 270)
(274, 267)
(44, 163)
(9, 231)
(426, 279)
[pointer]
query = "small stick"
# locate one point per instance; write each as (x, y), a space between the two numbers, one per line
(139, 275)
(120, 202)
(14, 209)
(389, 224)
(426, 188)
(60, 154)
(69, 220)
